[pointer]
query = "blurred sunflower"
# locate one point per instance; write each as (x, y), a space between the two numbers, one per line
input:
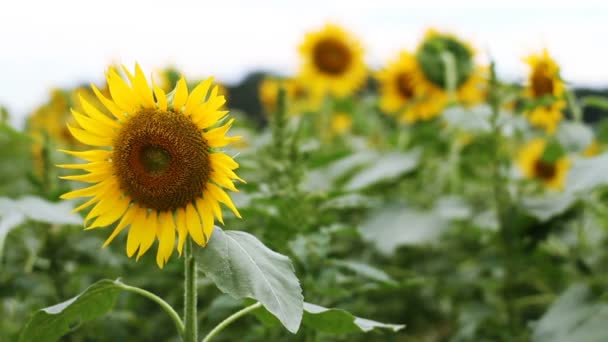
(546, 89)
(332, 62)
(298, 98)
(50, 119)
(592, 149)
(341, 123)
(532, 163)
(402, 90)
(157, 166)
(470, 79)
(47, 125)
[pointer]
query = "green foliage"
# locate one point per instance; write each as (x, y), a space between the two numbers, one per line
(50, 324)
(429, 56)
(241, 266)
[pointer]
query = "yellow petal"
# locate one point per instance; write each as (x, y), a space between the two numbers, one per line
(124, 222)
(121, 93)
(90, 155)
(120, 206)
(193, 223)
(206, 213)
(222, 197)
(89, 138)
(166, 238)
(147, 239)
(182, 230)
(197, 95)
(85, 192)
(96, 114)
(215, 207)
(93, 177)
(97, 166)
(224, 159)
(180, 96)
(106, 203)
(140, 84)
(85, 204)
(137, 231)
(221, 179)
(93, 126)
(161, 97)
(110, 105)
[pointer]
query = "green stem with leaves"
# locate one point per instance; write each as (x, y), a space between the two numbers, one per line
(501, 202)
(226, 322)
(190, 288)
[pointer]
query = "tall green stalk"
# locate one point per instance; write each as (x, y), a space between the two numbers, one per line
(502, 204)
(190, 319)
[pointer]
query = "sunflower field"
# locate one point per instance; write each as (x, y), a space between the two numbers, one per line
(426, 200)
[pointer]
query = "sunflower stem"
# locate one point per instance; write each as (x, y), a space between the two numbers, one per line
(226, 322)
(164, 305)
(502, 204)
(190, 319)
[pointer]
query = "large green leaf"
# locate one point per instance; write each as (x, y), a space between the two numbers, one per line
(341, 321)
(15, 212)
(545, 207)
(575, 316)
(241, 266)
(395, 226)
(366, 270)
(574, 136)
(51, 323)
(586, 174)
(387, 167)
(332, 321)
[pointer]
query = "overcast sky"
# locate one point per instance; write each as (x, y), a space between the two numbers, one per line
(47, 44)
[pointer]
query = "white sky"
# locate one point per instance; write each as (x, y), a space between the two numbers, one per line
(45, 44)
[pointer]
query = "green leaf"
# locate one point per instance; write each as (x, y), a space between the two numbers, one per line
(545, 207)
(241, 266)
(15, 212)
(587, 174)
(599, 102)
(52, 323)
(366, 270)
(575, 316)
(574, 136)
(387, 167)
(340, 321)
(332, 321)
(396, 226)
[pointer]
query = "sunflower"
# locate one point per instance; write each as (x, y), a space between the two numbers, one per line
(402, 90)
(593, 149)
(470, 79)
(332, 62)
(50, 119)
(341, 123)
(299, 100)
(545, 89)
(531, 163)
(156, 165)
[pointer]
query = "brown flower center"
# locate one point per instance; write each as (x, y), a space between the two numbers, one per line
(331, 56)
(161, 160)
(542, 84)
(544, 170)
(405, 85)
